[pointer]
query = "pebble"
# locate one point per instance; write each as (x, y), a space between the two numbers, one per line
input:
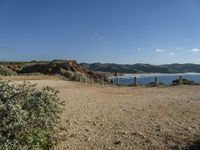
(116, 142)
(174, 146)
(158, 129)
(72, 135)
(88, 139)
(87, 130)
(63, 128)
(94, 123)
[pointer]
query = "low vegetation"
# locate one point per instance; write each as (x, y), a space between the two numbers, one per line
(152, 84)
(184, 81)
(6, 72)
(29, 116)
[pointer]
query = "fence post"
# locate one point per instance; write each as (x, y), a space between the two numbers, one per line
(76, 77)
(116, 75)
(91, 80)
(80, 80)
(117, 81)
(102, 81)
(156, 81)
(180, 80)
(135, 81)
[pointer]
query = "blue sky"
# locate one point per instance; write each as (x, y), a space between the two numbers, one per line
(118, 31)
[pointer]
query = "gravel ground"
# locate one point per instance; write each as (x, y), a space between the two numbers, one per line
(125, 118)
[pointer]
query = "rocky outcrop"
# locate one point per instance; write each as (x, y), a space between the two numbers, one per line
(6, 71)
(67, 68)
(14, 67)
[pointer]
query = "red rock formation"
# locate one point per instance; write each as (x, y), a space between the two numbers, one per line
(61, 67)
(15, 67)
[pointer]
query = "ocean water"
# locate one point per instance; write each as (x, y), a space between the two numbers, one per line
(144, 79)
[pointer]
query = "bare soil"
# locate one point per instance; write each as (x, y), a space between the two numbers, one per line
(125, 118)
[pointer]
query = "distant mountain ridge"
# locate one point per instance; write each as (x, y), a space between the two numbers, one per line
(142, 68)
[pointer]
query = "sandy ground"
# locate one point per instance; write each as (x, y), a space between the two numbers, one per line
(125, 118)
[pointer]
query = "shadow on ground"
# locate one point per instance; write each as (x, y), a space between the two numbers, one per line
(194, 146)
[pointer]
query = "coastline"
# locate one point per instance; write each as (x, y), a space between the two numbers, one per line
(138, 75)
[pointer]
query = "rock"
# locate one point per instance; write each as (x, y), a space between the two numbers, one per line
(15, 67)
(158, 129)
(63, 137)
(117, 142)
(87, 130)
(67, 68)
(72, 135)
(174, 146)
(63, 128)
(89, 121)
(6, 71)
(94, 123)
(88, 139)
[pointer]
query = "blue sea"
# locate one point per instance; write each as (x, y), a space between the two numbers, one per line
(144, 79)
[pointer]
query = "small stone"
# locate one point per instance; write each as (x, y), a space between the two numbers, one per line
(94, 123)
(125, 132)
(87, 139)
(63, 137)
(72, 135)
(87, 130)
(116, 142)
(88, 120)
(63, 128)
(158, 129)
(172, 145)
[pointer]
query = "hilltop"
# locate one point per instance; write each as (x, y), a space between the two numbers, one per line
(68, 67)
(142, 68)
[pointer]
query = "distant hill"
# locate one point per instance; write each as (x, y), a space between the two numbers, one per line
(142, 68)
(56, 66)
(182, 68)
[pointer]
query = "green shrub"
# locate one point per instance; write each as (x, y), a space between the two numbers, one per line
(68, 74)
(29, 117)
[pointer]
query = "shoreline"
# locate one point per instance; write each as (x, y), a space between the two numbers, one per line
(139, 75)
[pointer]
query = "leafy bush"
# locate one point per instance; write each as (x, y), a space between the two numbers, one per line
(29, 116)
(69, 74)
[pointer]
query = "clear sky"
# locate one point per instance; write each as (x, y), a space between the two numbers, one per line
(118, 31)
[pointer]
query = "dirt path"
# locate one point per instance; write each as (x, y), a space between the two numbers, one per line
(97, 117)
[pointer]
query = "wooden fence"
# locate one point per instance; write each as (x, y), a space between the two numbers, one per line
(156, 81)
